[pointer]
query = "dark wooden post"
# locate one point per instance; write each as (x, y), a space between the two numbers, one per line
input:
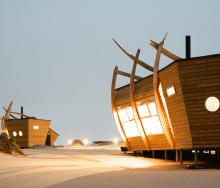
(153, 154)
(217, 154)
(196, 157)
(181, 156)
(165, 154)
(177, 155)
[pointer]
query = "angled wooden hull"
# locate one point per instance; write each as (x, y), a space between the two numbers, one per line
(28, 131)
(193, 126)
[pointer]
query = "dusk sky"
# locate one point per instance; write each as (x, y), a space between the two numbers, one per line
(57, 57)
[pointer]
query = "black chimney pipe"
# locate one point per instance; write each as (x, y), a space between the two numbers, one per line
(22, 112)
(188, 47)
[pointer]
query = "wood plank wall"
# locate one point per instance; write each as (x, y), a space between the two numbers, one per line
(144, 89)
(200, 78)
(176, 106)
(18, 125)
(38, 136)
(53, 136)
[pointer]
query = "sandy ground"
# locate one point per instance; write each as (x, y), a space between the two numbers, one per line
(94, 167)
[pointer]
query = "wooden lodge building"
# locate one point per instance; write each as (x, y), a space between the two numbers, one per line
(29, 131)
(175, 108)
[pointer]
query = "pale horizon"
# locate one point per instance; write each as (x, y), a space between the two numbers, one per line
(57, 57)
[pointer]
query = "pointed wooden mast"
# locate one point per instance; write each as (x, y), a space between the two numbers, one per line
(165, 52)
(134, 106)
(134, 58)
(160, 108)
(114, 109)
(122, 73)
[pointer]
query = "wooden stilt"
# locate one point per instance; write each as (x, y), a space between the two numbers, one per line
(165, 154)
(217, 154)
(153, 154)
(177, 156)
(196, 157)
(181, 156)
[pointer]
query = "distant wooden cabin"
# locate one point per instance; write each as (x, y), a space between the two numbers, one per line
(51, 137)
(31, 131)
(174, 108)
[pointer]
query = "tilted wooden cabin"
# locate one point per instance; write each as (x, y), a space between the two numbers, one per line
(176, 107)
(51, 137)
(28, 131)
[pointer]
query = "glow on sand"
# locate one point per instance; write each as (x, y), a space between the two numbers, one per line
(86, 141)
(115, 141)
(69, 142)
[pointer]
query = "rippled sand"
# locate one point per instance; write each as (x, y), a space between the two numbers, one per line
(98, 166)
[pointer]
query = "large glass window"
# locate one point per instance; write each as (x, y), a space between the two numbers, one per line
(126, 116)
(131, 129)
(143, 110)
(149, 118)
(153, 109)
(123, 115)
(152, 125)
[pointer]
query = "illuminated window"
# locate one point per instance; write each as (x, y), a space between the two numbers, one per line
(152, 108)
(130, 113)
(118, 126)
(171, 91)
(14, 133)
(212, 104)
(165, 105)
(152, 125)
(20, 133)
(131, 129)
(35, 127)
(143, 110)
(123, 115)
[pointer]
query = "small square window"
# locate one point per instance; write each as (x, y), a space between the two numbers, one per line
(171, 91)
(152, 108)
(143, 110)
(36, 127)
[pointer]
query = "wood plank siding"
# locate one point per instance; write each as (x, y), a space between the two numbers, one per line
(193, 126)
(17, 125)
(30, 135)
(38, 136)
(200, 79)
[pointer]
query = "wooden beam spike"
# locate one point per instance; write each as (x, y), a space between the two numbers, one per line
(143, 64)
(122, 73)
(164, 51)
(137, 118)
(115, 110)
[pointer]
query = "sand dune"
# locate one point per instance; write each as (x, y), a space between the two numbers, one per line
(102, 166)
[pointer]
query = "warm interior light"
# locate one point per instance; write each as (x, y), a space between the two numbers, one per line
(86, 141)
(69, 142)
(35, 127)
(152, 125)
(119, 126)
(131, 129)
(20, 133)
(123, 115)
(171, 91)
(165, 106)
(115, 141)
(152, 108)
(143, 110)
(14, 133)
(130, 113)
(212, 104)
